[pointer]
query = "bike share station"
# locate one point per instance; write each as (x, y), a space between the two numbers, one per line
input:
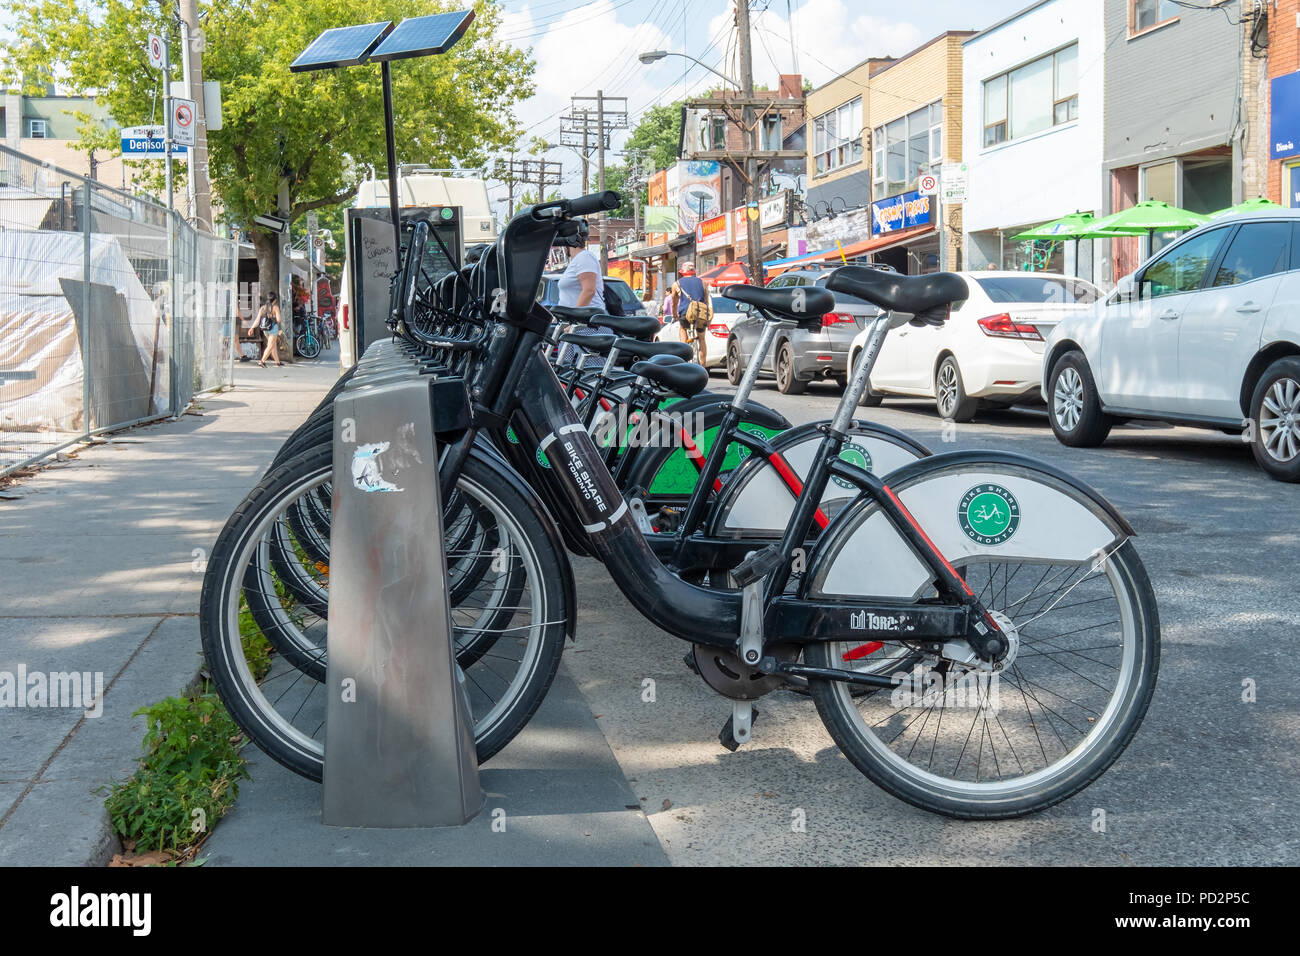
(400, 742)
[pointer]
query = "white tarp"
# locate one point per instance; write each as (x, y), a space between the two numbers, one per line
(38, 329)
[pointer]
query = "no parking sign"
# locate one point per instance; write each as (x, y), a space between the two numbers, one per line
(928, 184)
(156, 51)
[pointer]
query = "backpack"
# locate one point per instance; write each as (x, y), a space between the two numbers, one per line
(265, 320)
(613, 304)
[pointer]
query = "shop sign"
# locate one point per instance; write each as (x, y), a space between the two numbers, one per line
(713, 233)
(900, 212)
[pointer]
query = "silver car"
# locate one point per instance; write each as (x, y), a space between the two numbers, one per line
(798, 356)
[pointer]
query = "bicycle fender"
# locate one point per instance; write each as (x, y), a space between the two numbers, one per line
(755, 412)
(756, 499)
(971, 504)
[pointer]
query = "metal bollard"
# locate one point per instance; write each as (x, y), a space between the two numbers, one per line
(399, 743)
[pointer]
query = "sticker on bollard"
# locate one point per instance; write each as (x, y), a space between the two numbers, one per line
(399, 741)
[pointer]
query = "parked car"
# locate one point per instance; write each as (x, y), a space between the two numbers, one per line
(548, 293)
(798, 356)
(726, 312)
(1206, 333)
(988, 353)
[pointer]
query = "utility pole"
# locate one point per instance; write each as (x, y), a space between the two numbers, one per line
(192, 72)
(599, 114)
(754, 229)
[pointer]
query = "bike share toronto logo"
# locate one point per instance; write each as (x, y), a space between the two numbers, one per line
(854, 454)
(989, 514)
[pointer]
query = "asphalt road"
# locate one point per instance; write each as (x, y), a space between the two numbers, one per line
(1211, 778)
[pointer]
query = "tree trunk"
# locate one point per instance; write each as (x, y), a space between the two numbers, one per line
(268, 277)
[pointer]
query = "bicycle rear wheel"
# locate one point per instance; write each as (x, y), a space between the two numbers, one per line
(509, 627)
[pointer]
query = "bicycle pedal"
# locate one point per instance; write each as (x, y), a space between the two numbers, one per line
(736, 732)
(756, 566)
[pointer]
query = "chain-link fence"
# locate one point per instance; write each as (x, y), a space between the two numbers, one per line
(113, 310)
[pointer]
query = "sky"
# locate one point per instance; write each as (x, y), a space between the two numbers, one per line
(581, 46)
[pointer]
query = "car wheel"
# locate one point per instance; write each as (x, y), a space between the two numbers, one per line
(841, 380)
(950, 396)
(1073, 406)
(787, 383)
(869, 398)
(735, 370)
(1275, 409)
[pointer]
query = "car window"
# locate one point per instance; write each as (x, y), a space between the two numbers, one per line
(844, 297)
(1031, 288)
(1182, 268)
(1258, 249)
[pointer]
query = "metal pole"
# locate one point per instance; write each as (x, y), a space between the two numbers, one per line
(754, 230)
(173, 397)
(200, 190)
(391, 146)
(85, 308)
(600, 174)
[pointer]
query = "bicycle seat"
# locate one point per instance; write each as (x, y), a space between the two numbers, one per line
(927, 297)
(684, 378)
(599, 343)
(574, 313)
(645, 350)
(798, 303)
(631, 326)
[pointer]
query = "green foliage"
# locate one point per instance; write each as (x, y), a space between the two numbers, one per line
(188, 778)
(657, 134)
(311, 132)
(257, 649)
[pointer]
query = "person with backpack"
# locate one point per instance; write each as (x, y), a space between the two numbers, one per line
(694, 308)
(268, 320)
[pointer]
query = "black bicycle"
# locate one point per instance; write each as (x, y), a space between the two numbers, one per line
(1015, 587)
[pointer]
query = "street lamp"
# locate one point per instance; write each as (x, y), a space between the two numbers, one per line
(653, 56)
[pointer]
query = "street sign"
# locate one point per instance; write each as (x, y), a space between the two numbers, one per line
(313, 222)
(183, 115)
(955, 183)
(928, 184)
(156, 51)
(147, 141)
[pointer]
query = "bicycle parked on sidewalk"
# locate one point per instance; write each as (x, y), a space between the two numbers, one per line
(1047, 613)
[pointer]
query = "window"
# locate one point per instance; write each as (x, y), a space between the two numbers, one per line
(717, 132)
(1145, 14)
(1259, 249)
(837, 137)
(1037, 289)
(36, 129)
(1032, 98)
(1182, 268)
(905, 148)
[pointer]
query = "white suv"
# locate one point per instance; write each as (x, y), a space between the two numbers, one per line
(1207, 333)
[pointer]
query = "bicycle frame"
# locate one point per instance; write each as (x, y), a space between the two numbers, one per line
(582, 494)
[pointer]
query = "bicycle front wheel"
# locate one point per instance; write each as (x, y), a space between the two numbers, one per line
(275, 689)
(974, 745)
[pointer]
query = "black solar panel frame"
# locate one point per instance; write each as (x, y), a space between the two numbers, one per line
(418, 44)
(355, 54)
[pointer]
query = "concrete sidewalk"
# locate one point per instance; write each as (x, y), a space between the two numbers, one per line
(101, 563)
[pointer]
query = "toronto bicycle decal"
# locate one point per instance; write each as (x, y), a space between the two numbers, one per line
(854, 454)
(367, 473)
(989, 514)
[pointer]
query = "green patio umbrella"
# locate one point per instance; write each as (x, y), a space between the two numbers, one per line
(1076, 225)
(1149, 217)
(1250, 205)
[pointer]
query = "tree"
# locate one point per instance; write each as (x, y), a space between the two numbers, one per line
(290, 142)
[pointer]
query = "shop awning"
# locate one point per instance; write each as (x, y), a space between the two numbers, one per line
(651, 252)
(851, 251)
(733, 273)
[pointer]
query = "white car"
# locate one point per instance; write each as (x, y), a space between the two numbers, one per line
(1206, 333)
(725, 314)
(989, 352)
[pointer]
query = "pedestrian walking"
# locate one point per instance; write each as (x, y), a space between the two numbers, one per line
(268, 320)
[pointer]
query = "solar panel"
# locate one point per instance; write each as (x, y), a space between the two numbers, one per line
(422, 36)
(341, 46)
